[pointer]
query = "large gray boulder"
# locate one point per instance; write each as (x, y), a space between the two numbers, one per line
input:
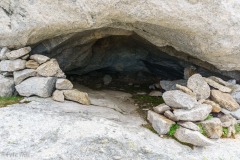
(12, 65)
(179, 99)
(6, 86)
(189, 26)
(48, 69)
(40, 86)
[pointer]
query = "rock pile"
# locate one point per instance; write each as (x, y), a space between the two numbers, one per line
(204, 109)
(36, 75)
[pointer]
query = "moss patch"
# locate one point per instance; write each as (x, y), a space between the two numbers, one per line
(146, 101)
(4, 101)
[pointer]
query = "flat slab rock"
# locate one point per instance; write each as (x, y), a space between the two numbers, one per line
(20, 76)
(179, 99)
(12, 65)
(15, 54)
(198, 113)
(192, 137)
(225, 100)
(40, 86)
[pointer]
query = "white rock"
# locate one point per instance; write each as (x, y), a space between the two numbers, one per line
(155, 94)
(213, 128)
(192, 137)
(170, 115)
(15, 54)
(107, 79)
(39, 58)
(64, 84)
(198, 85)
(6, 87)
(217, 85)
(178, 99)
(12, 65)
(49, 69)
(161, 108)
(189, 125)
(3, 52)
(219, 80)
(160, 123)
(225, 100)
(20, 76)
(40, 86)
(58, 96)
(199, 113)
(186, 90)
(77, 96)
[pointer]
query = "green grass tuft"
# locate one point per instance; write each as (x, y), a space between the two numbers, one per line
(173, 129)
(237, 128)
(202, 130)
(225, 132)
(4, 101)
(210, 116)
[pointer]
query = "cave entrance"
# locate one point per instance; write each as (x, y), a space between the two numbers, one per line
(118, 62)
(121, 60)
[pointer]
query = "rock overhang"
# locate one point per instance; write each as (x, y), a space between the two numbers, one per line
(205, 30)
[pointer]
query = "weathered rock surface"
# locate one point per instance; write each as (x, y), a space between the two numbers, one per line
(77, 96)
(78, 130)
(198, 85)
(197, 36)
(161, 108)
(6, 87)
(198, 113)
(15, 54)
(3, 52)
(219, 80)
(40, 86)
(107, 79)
(48, 69)
(217, 85)
(20, 76)
(12, 65)
(58, 96)
(64, 84)
(213, 128)
(170, 115)
(39, 58)
(215, 107)
(160, 123)
(32, 64)
(185, 90)
(178, 99)
(192, 137)
(225, 100)
(189, 125)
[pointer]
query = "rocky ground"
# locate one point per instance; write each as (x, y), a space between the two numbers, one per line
(111, 128)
